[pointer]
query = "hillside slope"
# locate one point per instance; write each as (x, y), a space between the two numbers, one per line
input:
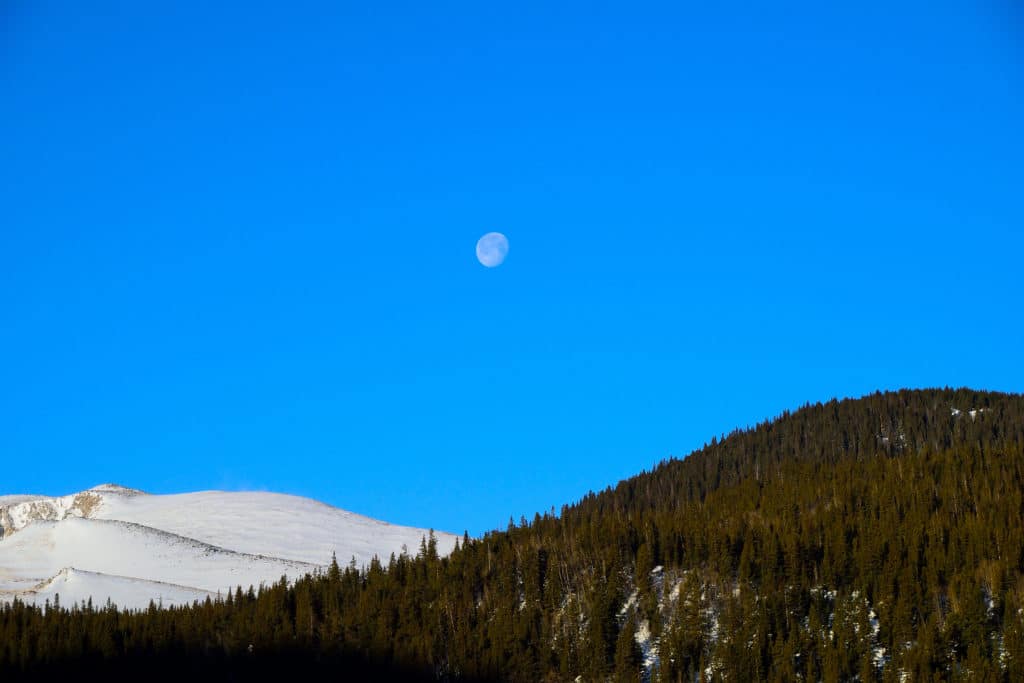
(872, 539)
(130, 547)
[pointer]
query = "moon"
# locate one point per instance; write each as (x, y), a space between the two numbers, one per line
(491, 249)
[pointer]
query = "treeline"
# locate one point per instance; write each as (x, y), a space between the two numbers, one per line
(856, 540)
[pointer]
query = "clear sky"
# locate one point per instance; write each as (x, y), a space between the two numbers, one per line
(237, 239)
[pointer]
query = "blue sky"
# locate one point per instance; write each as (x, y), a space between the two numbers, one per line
(237, 243)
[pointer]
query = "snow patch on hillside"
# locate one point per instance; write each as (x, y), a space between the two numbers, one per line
(973, 412)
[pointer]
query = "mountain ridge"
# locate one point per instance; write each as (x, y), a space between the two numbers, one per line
(237, 538)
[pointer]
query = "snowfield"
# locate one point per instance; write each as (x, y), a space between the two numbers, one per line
(129, 547)
(73, 586)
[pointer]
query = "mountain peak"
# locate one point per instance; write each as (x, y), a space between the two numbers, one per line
(117, 488)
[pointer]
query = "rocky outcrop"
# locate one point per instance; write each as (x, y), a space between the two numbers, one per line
(17, 516)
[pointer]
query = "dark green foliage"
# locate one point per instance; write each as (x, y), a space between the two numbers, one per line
(853, 539)
(627, 653)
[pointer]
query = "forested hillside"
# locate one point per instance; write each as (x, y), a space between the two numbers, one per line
(872, 539)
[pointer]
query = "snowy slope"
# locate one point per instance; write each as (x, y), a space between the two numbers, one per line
(74, 586)
(133, 547)
(42, 549)
(14, 500)
(270, 524)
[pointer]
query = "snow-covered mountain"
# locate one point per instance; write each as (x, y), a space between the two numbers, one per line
(121, 544)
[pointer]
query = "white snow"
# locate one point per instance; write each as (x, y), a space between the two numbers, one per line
(628, 605)
(42, 549)
(271, 524)
(973, 412)
(14, 500)
(131, 547)
(75, 587)
(648, 647)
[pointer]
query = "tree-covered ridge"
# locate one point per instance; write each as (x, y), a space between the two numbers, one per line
(864, 539)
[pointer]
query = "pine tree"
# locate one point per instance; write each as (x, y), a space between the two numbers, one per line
(628, 656)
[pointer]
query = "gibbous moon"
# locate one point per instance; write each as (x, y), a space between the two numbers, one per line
(492, 249)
